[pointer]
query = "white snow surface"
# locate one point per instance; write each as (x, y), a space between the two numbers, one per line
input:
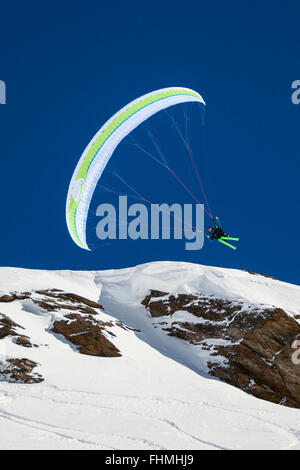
(157, 396)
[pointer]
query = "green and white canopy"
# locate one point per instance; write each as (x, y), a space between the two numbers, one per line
(97, 154)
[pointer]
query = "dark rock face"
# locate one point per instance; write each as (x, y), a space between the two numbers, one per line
(87, 335)
(14, 296)
(24, 341)
(80, 327)
(78, 321)
(20, 371)
(259, 274)
(8, 328)
(256, 350)
(74, 301)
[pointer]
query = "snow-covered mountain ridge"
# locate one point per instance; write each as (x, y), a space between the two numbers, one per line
(149, 336)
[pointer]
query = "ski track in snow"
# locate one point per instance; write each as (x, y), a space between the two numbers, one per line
(44, 426)
(97, 440)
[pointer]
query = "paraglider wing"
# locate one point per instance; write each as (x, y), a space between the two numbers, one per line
(97, 154)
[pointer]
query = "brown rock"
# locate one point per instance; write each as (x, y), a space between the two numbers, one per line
(58, 294)
(20, 371)
(258, 342)
(7, 326)
(14, 296)
(7, 298)
(87, 334)
(259, 274)
(24, 341)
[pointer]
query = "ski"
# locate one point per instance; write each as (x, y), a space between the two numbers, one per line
(230, 238)
(227, 244)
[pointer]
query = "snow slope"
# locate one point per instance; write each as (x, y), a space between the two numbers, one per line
(157, 395)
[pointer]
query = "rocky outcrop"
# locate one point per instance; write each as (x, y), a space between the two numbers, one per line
(14, 296)
(260, 274)
(78, 321)
(55, 299)
(249, 346)
(81, 324)
(16, 370)
(24, 341)
(74, 317)
(9, 328)
(20, 371)
(87, 334)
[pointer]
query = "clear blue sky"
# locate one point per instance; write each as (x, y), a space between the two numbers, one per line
(68, 66)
